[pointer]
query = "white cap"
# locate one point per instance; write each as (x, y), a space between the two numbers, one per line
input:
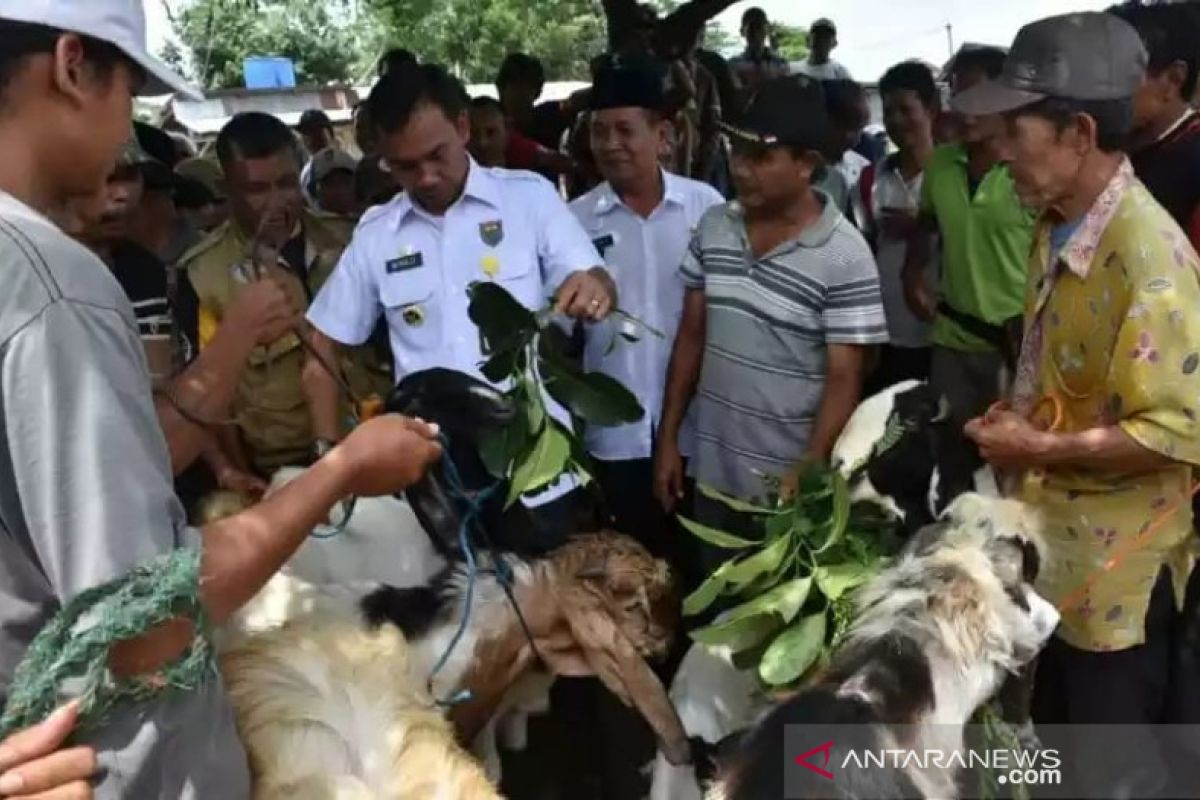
(119, 22)
(329, 159)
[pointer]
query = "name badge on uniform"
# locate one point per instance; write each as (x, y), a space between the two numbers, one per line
(405, 263)
(603, 243)
(492, 233)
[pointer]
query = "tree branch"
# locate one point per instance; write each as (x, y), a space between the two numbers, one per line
(690, 17)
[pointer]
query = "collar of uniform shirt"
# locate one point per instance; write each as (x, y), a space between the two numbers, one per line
(672, 193)
(479, 186)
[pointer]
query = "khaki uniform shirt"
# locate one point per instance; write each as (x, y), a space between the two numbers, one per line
(270, 406)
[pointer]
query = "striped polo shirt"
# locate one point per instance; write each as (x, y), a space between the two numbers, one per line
(770, 321)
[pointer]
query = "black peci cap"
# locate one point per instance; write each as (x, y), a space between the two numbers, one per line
(785, 111)
(629, 82)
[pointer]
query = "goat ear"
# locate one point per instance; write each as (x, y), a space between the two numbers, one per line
(595, 568)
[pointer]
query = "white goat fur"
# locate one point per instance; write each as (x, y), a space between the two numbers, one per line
(382, 543)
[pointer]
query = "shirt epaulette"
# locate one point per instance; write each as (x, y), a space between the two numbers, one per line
(201, 247)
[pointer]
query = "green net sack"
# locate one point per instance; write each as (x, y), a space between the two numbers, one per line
(69, 657)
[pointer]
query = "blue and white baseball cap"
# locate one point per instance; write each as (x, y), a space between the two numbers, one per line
(121, 23)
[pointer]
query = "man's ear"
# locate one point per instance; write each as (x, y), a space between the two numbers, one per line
(70, 73)
(1176, 75)
(462, 127)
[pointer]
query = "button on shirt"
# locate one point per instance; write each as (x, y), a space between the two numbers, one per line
(769, 325)
(643, 256)
(415, 268)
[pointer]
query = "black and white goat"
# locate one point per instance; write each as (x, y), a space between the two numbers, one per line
(329, 683)
(902, 450)
(934, 638)
(898, 450)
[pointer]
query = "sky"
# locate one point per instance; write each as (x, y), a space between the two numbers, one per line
(872, 34)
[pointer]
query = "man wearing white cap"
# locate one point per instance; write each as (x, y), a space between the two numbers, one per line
(85, 479)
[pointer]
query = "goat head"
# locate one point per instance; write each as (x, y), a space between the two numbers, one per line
(465, 408)
(621, 609)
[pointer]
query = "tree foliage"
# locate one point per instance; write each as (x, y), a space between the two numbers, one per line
(791, 41)
(339, 40)
(218, 35)
(471, 37)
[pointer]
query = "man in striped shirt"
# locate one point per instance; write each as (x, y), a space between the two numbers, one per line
(782, 303)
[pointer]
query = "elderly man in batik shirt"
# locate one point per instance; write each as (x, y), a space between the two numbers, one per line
(1102, 431)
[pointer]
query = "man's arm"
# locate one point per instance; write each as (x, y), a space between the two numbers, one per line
(582, 290)
(917, 254)
(344, 313)
(321, 388)
(205, 390)
(1008, 440)
(683, 370)
(93, 490)
(843, 389)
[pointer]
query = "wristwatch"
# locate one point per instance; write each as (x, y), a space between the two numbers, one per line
(321, 447)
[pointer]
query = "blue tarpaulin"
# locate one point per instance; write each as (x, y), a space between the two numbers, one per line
(269, 72)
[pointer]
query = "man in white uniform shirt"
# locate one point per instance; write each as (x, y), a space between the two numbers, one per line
(641, 220)
(413, 259)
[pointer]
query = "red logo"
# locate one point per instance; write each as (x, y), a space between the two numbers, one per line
(802, 760)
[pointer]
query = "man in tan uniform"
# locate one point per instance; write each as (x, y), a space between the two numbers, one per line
(271, 233)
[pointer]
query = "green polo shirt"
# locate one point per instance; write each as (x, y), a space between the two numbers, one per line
(986, 241)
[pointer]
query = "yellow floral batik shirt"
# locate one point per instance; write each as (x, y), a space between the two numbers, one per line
(1114, 335)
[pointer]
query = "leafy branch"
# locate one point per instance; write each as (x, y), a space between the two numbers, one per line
(529, 353)
(795, 585)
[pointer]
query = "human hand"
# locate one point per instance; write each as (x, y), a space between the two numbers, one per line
(32, 765)
(920, 300)
(232, 479)
(387, 454)
(262, 311)
(668, 475)
(1008, 440)
(588, 295)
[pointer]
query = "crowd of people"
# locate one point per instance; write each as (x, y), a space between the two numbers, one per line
(1028, 244)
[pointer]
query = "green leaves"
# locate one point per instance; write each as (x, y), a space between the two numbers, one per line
(543, 465)
(529, 353)
(816, 549)
(738, 634)
(834, 581)
(731, 502)
(594, 397)
(793, 651)
(498, 315)
(715, 537)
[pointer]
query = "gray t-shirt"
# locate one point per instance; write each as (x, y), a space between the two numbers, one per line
(86, 493)
(769, 325)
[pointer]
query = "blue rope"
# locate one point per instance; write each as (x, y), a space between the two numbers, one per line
(472, 506)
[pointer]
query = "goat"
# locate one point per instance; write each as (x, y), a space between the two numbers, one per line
(899, 451)
(334, 696)
(934, 637)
